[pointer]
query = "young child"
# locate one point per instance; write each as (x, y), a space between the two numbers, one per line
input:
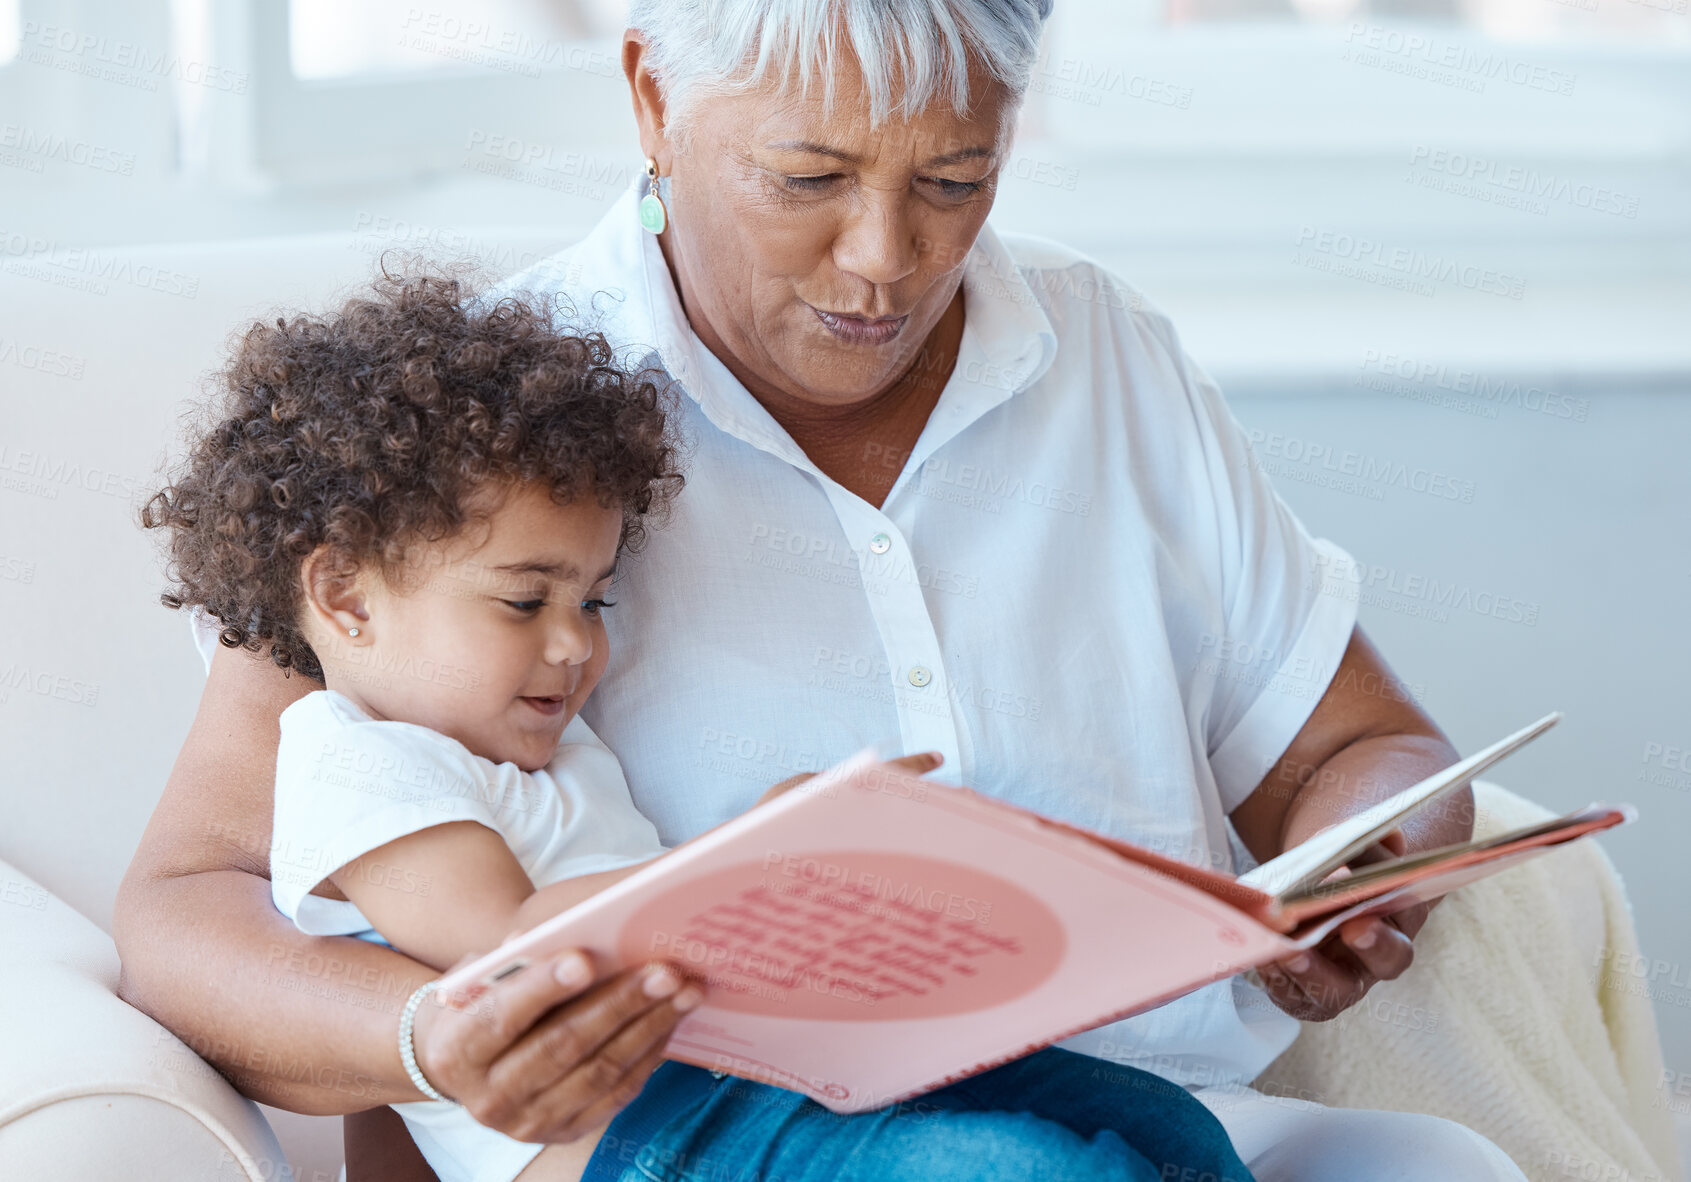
(420, 501)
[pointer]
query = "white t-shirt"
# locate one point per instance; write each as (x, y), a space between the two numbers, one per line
(347, 784)
(1081, 590)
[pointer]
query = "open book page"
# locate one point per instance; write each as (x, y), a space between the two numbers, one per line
(1309, 862)
(871, 935)
(1436, 872)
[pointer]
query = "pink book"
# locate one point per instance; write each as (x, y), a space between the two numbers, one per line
(870, 935)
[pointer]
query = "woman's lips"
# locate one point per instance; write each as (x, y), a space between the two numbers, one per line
(857, 330)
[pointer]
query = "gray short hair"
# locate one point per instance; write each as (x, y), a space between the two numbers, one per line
(911, 51)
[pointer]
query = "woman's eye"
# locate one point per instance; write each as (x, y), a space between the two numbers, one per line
(526, 605)
(811, 184)
(594, 606)
(956, 190)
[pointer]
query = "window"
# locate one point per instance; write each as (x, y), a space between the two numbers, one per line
(9, 30)
(332, 39)
(1215, 133)
(1652, 20)
(379, 91)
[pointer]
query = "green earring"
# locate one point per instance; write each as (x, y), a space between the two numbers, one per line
(653, 216)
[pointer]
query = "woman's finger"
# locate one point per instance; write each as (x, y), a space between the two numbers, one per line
(1285, 992)
(598, 1089)
(572, 1035)
(471, 1033)
(456, 1036)
(786, 785)
(605, 1107)
(1380, 948)
(920, 763)
(1329, 986)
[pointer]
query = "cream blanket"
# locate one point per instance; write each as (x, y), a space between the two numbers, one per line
(1518, 1019)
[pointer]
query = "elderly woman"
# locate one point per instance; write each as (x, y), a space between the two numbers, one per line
(944, 484)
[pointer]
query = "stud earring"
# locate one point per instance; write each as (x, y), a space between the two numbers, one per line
(352, 632)
(653, 215)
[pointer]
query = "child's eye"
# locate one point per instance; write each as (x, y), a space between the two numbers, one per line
(594, 606)
(525, 605)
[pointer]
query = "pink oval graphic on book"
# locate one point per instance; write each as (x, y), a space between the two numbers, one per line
(852, 935)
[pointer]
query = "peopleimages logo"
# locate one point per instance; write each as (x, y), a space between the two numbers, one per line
(1298, 454)
(87, 269)
(510, 50)
(1410, 264)
(43, 474)
(1088, 82)
(50, 145)
(1486, 389)
(1413, 593)
(44, 361)
(1536, 188)
(125, 62)
(1463, 63)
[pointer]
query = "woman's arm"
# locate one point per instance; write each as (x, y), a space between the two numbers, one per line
(309, 1023)
(206, 953)
(1366, 740)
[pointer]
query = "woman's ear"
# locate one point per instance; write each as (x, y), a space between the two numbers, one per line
(650, 113)
(333, 594)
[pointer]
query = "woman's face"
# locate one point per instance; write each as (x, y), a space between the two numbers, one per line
(817, 255)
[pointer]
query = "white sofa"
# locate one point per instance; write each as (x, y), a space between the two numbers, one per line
(89, 1087)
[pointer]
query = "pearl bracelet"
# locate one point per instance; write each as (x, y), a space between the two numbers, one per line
(408, 1052)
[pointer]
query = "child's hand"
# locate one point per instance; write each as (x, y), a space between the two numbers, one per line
(920, 765)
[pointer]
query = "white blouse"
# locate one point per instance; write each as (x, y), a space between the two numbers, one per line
(1081, 590)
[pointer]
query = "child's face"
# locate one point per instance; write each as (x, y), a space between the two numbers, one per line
(494, 636)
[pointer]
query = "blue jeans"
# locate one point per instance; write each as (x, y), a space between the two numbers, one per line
(1051, 1116)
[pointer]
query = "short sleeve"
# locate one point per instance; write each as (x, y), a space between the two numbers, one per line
(606, 831)
(1288, 606)
(345, 787)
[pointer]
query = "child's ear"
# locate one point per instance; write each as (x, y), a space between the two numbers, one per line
(334, 595)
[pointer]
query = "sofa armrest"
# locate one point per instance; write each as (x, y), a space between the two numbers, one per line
(90, 1087)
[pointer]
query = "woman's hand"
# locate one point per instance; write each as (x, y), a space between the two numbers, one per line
(546, 1055)
(1367, 739)
(1334, 975)
(919, 764)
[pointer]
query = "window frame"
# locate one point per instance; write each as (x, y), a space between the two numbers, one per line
(1292, 161)
(415, 123)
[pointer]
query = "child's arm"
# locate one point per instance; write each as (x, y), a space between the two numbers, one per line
(453, 889)
(456, 888)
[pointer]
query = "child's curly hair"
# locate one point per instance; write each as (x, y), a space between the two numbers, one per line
(368, 430)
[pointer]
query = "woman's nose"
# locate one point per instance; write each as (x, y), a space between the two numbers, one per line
(877, 241)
